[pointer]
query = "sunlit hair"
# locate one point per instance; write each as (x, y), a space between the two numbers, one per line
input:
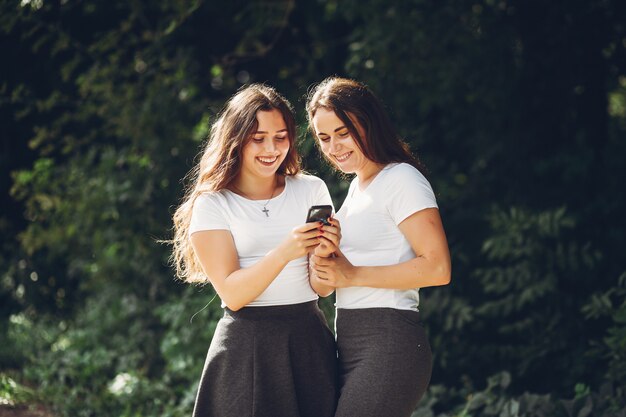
(353, 102)
(220, 163)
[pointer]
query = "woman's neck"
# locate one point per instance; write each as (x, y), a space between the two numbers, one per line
(256, 188)
(367, 174)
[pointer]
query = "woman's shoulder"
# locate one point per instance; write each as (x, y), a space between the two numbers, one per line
(304, 178)
(401, 170)
(210, 197)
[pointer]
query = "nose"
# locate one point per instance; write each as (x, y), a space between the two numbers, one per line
(334, 144)
(270, 146)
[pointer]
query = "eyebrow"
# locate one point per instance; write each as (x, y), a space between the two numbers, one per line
(336, 130)
(264, 132)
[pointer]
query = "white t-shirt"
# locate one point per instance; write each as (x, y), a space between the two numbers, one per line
(255, 234)
(370, 234)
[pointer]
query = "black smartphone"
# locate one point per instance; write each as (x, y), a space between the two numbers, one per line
(319, 214)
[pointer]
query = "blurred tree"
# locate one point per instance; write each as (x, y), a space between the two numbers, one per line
(506, 102)
(109, 119)
(518, 108)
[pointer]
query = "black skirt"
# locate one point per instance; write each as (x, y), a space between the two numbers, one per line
(385, 362)
(277, 361)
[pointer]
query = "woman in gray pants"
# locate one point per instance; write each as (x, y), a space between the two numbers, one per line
(392, 244)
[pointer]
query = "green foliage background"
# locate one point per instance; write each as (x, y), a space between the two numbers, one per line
(518, 109)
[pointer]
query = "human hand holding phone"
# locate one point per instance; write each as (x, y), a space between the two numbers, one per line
(330, 230)
(329, 239)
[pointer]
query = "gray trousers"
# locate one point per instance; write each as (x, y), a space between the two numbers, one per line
(385, 362)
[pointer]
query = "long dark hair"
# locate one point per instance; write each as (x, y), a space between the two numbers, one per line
(221, 158)
(221, 161)
(354, 102)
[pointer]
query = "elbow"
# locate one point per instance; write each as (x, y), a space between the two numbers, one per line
(443, 273)
(445, 280)
(233, 298)
(233, 305)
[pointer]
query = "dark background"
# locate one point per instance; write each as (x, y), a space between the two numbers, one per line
(517, 108)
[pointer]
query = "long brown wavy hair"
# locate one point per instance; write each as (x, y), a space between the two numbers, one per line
(221, 161)
(352, 101)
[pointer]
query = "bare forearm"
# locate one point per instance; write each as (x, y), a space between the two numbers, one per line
(415, 273)
(238, 286)
(244, 285)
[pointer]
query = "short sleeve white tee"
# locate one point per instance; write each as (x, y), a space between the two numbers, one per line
(255, 233)
(370, 234)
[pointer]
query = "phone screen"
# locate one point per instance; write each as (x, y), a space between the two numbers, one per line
(319, 214)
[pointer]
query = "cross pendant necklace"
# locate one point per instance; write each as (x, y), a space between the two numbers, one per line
(265, 209)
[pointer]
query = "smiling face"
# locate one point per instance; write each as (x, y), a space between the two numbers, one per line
(267, 146)
(337, 142)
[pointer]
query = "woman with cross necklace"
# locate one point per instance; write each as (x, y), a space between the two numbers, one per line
(241, 228)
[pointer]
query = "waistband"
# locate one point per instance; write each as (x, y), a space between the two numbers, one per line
(373, 313)
(289, 311)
